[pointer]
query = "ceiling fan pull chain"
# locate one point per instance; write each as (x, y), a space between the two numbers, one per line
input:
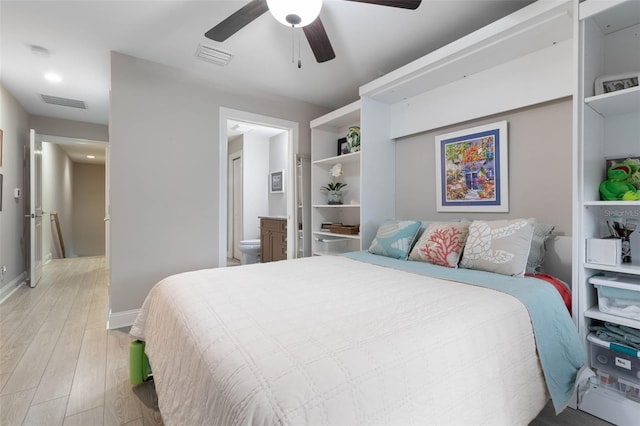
(299, 61)
(293, 40)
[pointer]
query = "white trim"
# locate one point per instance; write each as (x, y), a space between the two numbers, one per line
(9, 288)
(121, 319)
(293, 130)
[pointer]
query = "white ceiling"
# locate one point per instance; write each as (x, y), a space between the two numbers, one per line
(368, 40)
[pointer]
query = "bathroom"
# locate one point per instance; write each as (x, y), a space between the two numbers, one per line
(255, 153)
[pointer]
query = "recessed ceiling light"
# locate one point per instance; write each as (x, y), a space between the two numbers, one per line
(53, 77)
(91, 156)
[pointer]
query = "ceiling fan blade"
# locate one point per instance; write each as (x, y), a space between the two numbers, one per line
(405, 4)
(238, 20)
(319, 41)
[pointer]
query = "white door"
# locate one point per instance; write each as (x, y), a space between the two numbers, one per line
(237, 206)
(107, 209)
(35, 208)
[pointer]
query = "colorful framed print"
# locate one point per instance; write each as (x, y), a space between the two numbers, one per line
(472, 171)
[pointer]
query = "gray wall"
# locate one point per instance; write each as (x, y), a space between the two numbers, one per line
(14, 122)
(164, 128)
(57, 196)
(540, 167)
(278, 161)
(88, 209)
(68, 128)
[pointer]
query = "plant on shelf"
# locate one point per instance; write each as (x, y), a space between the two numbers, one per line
(334, 189)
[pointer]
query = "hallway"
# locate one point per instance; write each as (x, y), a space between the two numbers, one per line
(58, 363)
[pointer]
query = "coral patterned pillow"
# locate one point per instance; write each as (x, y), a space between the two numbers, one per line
(441, 243)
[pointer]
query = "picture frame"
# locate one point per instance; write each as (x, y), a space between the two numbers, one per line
(276, 182)
(343, 147)
(472, 169)
(616, 82)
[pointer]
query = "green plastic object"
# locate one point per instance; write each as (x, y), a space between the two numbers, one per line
(139, 368)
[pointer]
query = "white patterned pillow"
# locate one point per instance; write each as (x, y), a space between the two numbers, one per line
(395, 238)
(500, 246)
(441, 243)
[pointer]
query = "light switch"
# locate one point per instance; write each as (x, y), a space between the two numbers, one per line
(17, 192)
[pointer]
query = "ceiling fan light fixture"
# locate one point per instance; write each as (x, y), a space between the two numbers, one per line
(295, 13)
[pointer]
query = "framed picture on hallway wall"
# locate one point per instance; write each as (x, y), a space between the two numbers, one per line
(471, 170)
(276, 181)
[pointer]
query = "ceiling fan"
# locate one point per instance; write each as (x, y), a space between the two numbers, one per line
(294, 13)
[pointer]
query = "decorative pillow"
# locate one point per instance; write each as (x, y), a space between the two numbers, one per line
(441, 243)
(541, 233)
(500, 246)
(395, 238)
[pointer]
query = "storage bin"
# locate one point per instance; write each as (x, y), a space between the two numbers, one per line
(618, 385)
(619, 301)
(621, 366)
(332, 245)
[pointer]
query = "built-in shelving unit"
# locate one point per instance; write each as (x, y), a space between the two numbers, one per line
(369, 174)
(325, 132)
(606, 126)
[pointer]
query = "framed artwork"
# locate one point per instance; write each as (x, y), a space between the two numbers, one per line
(343, 147)
(472, 171)
(276, 181)
(613, 83)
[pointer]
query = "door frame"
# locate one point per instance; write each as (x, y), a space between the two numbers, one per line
(223, 157)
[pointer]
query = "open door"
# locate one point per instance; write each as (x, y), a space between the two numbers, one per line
(107, 208)
(35, 208)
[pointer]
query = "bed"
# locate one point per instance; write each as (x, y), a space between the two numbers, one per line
(357, 339)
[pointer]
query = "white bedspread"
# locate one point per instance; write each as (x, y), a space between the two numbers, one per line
(330, 340)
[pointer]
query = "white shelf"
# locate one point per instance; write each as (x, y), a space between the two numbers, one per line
(632, 268)
(336, 206)
(612, 203)
(611, 15)
(594, 313)
(332, 234)
(342, 117)
(351, 158)
(615, 103)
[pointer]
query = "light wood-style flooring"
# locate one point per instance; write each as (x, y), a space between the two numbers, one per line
(58, 362)
(60, 366)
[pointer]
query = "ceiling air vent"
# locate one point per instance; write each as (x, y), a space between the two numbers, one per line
(216, 56)
(73, 103)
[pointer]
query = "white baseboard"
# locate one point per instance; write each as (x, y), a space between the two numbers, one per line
(9, 288)
(122, 319)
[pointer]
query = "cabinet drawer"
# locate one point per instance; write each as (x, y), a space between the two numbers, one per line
(273, 225)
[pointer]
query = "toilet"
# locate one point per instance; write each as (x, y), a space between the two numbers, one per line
(250, 251)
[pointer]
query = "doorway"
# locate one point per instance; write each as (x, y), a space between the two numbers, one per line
(74, 198)
(225, 212)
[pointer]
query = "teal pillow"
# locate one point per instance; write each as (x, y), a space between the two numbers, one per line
(395, 238)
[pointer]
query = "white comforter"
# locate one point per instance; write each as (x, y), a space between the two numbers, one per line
(330, 340)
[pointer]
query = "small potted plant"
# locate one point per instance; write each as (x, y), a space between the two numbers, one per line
(334, 189)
